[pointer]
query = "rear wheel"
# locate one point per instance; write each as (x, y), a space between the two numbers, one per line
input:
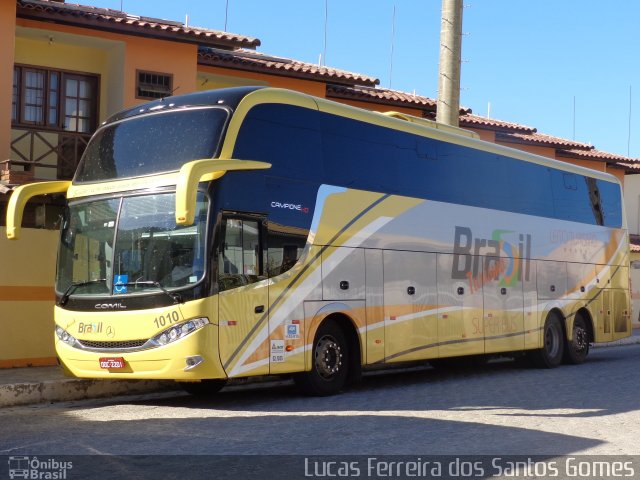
(204, 388)
(550, 355)
(577, 349)
(330, 366)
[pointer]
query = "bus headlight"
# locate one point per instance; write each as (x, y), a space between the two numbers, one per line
(179, 331)
(65, 336)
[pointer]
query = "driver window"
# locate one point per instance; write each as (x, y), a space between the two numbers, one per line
(239, 260)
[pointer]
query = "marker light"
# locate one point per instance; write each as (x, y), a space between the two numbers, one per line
(179, 331)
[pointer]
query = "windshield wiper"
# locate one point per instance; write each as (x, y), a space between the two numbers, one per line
(72, 288)
(176, 297)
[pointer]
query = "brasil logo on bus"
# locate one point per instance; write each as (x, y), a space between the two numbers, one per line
(506, 261)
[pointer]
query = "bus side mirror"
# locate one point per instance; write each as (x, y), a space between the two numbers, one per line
(196, 171)
(21, 195)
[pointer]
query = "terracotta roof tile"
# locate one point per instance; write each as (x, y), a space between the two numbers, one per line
(594, 154)
(629, 167)
(541, 139)
(115, 20)
(380, 95)
(476, 121)
(255, 61)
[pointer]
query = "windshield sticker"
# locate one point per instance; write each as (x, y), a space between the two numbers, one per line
(120, 283)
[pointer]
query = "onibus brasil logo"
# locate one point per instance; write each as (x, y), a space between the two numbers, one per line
(509, 262)
(35, 468)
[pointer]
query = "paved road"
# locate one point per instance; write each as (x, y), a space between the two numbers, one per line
(500, 409)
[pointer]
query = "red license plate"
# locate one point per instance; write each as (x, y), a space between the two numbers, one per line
(112, 363)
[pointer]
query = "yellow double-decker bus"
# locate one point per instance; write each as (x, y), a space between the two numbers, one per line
(256, 231)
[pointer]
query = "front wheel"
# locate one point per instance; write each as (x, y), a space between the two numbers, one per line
(577, 349)
(550, 355)
(330, 366)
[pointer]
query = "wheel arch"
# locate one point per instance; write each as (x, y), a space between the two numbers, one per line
(561, 316)
(348, 326)
(585, 315)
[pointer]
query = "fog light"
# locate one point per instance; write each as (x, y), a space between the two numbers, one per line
(193, 362)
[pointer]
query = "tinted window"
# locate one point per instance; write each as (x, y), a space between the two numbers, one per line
(611, 198)
(240, 257)
(285, 245)
(150, 144)
(285, 136)
(323, 148)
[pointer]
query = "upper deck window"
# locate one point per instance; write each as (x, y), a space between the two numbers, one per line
(153, 143)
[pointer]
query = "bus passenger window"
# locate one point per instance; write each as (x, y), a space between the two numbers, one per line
(239, 259)
(285, 245)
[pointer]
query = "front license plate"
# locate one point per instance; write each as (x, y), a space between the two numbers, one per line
(112, 363)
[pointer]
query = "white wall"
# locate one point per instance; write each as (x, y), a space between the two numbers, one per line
(632, 202)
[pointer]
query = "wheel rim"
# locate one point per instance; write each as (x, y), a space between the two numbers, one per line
(552, 341)
(328, 357)
(580, 339)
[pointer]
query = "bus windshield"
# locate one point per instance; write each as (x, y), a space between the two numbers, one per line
(152, 143)
(130, 245)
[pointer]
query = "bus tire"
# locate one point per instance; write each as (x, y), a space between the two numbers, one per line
(330, 362)
(577, 349)
(551, 353)
(204, 388)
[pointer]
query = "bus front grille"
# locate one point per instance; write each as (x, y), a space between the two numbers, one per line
(111, 346)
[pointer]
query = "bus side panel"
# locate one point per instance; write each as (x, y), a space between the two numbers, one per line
(503, 305)
(375, 339)
(410, 311)
(460, 309)
(290, 330)
(343, 275)
(532, 314)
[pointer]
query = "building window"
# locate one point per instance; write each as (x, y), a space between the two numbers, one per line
(78, 95)
(150, 85)
(54, 99)
(14, 101)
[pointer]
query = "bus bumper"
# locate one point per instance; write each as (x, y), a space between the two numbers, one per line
(174, 361)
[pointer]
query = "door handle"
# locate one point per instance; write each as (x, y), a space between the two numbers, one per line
(259, 309)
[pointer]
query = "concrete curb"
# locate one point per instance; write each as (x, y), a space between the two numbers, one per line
(48, 391)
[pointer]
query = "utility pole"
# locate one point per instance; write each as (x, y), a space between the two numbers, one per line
(450, 58)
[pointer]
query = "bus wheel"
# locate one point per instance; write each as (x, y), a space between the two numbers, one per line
(330, 367)
(204, 388)
(577, 349)
(550, 355)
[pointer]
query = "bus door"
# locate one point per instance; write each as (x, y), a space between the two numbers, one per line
(243, 298)
(460, 326)
(503, 304)
(410, 305)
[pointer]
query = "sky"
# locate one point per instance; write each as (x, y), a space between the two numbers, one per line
(566, 67)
